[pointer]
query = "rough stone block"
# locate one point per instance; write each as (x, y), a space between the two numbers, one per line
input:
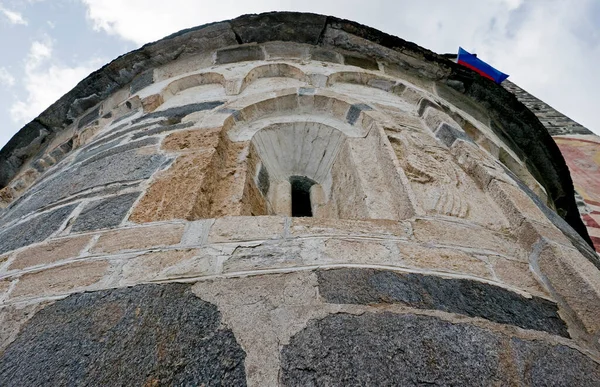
(59, 280)
(363, 62)
(410, 350)
(50, 252)
(169, 265)
(89, 118)
(277, 50)
(151, 102)
(174, 193)
(467, 297)
(34, 230)
(240, 54)
(430, 258)
(141, 81)
(325, 55)
(515, 204)
(193, 139)
(573, 279)
(302, 227)
(121, 167)
(161, 129)
(448, 134)
(148, 335)
(354, 112)
(281, 26)
(138, 238)
(104, 213)
(246, 228)
(516, 274)
(178, 112)
(340, 251)
(466, 235)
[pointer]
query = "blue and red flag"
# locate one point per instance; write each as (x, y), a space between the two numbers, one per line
(479, 66)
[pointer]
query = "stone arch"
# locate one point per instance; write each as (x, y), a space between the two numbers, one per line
(273, 70)
(190, 81)
(349, 116)
(367, 79)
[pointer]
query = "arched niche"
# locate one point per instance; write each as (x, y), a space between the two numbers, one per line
(273, 70)
(191, 81)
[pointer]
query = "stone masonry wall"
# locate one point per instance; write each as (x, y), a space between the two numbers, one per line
(159, 247)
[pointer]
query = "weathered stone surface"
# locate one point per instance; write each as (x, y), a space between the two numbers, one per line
(55, 250)
(192, 139)
(448, 134)
(146, 335)
(89, 118)
(239, 54)
(175, 192)
(161, 129)
(62, 279)
(110, 151)
(138, 238)
(325, 55)
(168, 265)
(229, 229)
(451, 233)
(471, 298)
(354, 112)
(12, 318)
(142, 81)
(282, 26)
(104, 213)
(442, 259)
(517, 274)
(328, 227)
(178, 112)
(410, 350)
(120, 167)
(359, 61)
(34, 230)
(151, 102)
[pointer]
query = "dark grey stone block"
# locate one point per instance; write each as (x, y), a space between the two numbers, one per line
(122, 167)
(360, 61)
(118, 149)
(142, 81)
(470, 298)
(239, 54)
(104, 213)
(178, 112)
(89, 118)
(424, 103)
(280, 26)
(447, 134)
(325, 55)
(354, 112)
(34, 230)
(385, 349)
(162, 129)
(147, 335)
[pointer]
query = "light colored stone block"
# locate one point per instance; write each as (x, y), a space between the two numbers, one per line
(168, 265)
(194, 139)
(340, 251)
(246, 228)
(302, 227)
(68, 278)
(573, 279)
(138, 238)
(465, 235)
(50, 252)
(429, 258)
(515, 204)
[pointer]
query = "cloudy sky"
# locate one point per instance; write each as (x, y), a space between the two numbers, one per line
(551, 48)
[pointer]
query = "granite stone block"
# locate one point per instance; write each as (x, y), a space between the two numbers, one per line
(104, 213)
(467, 297)
(148, 335)
(33, 230)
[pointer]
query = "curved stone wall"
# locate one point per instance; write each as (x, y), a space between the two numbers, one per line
(429, 225)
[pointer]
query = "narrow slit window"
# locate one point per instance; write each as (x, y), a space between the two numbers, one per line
(301, 205)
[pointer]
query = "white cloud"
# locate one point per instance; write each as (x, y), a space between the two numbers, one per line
(12, 16)
(46, 80)
(6, 77)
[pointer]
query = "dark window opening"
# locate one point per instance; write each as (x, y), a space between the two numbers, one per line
(301, 205)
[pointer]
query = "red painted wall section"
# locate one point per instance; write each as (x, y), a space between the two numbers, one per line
(582, 154)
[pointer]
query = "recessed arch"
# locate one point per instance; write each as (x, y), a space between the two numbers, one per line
(346, 114)
(273, 70)
(190, 81)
